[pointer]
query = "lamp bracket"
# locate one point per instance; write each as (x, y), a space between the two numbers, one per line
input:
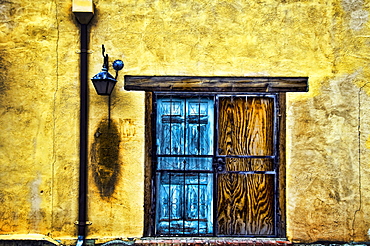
(105, 64)
(84, 51)
(82, 223)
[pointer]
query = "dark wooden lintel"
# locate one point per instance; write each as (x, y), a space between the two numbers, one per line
(216, 84)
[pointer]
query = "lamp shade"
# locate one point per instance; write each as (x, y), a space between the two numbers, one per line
(104, 82)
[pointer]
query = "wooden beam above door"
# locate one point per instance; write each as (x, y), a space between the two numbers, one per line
(216, 84)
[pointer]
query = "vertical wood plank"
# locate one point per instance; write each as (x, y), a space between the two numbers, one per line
(281, 210)
(148, 172)
(232, 126)
(260, 200)
(232, 188)
(260, 126)
(246, 202)
(232, 204)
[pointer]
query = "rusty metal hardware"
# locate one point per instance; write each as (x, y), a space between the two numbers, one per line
(81, 223)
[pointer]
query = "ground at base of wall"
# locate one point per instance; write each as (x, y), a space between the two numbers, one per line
(176, 242)
(25, 242)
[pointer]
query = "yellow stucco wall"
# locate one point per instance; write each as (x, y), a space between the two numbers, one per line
(328, 188)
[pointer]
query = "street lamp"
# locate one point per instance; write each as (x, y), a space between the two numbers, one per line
(103, 81)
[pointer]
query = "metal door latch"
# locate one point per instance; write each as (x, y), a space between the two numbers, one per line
(219, 164)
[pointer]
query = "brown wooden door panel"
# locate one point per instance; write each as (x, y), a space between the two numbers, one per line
(261, 204)
(248, 164)
(232, 204)
(245, 204)
(246, 126)
(232, 126)
(245, 200)
(260, 126)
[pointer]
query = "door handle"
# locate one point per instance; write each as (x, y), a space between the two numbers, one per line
(219, 164)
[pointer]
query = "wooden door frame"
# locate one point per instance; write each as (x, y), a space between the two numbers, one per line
(279, 85)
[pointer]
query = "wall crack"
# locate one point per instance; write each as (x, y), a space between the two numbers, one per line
(54, 115)
(359, 164)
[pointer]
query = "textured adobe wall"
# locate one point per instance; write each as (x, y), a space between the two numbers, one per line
(39, 97)
(328, 169)
(328, 147)
(327, 165)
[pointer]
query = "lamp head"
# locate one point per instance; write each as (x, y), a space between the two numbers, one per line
(104, 82)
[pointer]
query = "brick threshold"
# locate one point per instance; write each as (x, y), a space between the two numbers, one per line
(212, 241)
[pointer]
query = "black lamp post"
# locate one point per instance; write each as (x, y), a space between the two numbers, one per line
(103, 81)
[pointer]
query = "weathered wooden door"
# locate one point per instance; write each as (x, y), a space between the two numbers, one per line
(215, 165)
(246, 170)
(184, 170)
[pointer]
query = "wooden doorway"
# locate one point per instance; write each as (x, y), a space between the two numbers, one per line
(215, 165)
(218, 86)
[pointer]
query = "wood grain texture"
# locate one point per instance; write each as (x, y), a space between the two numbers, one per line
(260, 120)
(246, 126)
(261, 204)
(216, 84)
(246, 202)
(233, 123)
(232, 204)
(245, 165)
(281, 201)
(148, 174)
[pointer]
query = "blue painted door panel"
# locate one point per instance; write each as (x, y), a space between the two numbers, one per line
(184, 203)
(185, 126)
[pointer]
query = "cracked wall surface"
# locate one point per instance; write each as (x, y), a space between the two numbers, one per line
(328, 186)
